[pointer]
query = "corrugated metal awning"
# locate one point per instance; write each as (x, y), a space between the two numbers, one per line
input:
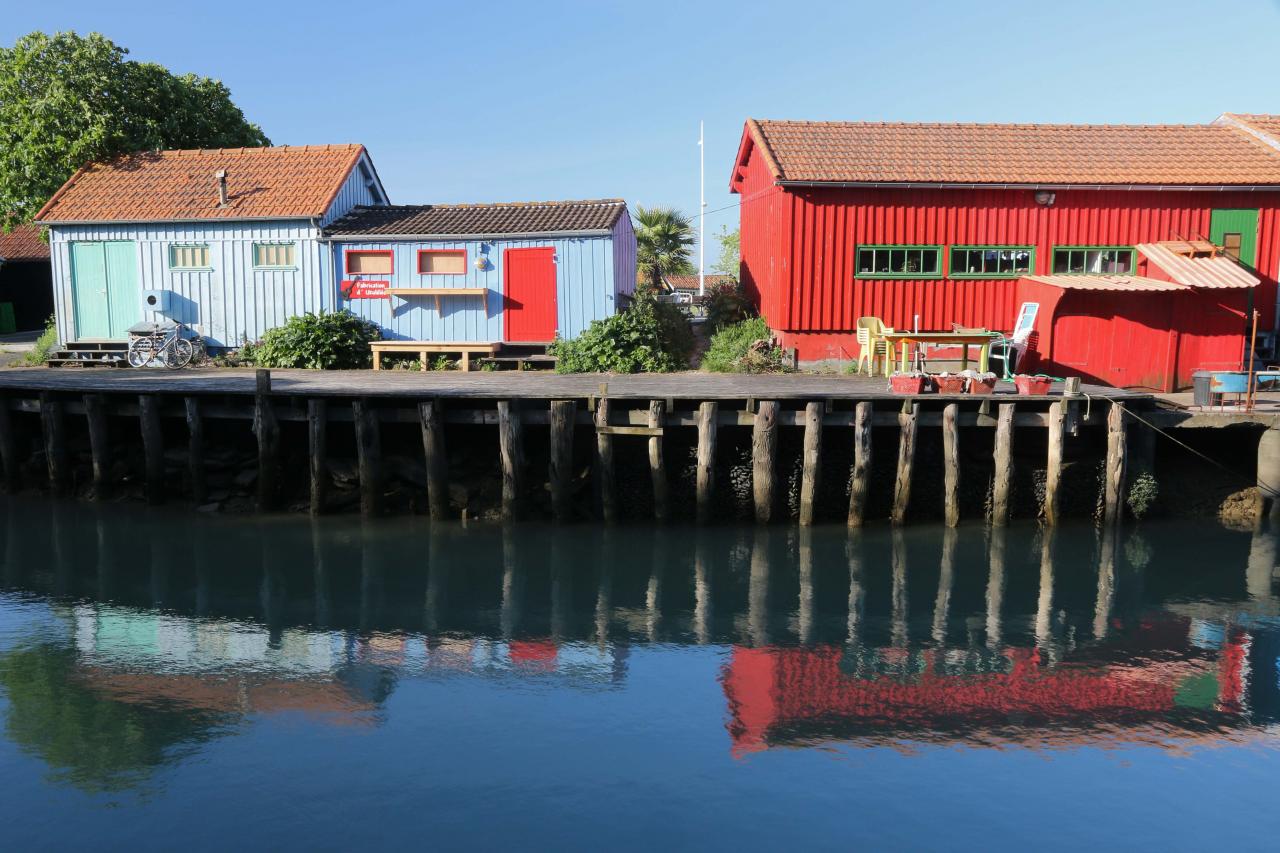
(1106, 282)
(1197, 269)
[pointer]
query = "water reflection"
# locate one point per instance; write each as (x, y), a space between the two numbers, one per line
(128, 638)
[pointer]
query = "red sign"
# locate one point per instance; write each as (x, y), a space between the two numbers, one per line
(365, 289)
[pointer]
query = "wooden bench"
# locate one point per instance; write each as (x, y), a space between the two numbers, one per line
(425, 348)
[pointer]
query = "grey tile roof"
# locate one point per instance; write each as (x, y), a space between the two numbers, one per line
(480, 220)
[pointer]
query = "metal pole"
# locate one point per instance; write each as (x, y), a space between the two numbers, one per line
(702, 211)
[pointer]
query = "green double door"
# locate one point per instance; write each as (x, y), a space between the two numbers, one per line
(104, 286)
(1236, 231)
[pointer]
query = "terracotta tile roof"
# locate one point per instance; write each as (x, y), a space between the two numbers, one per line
(868, 152)
(23, 243)
(440, 220)
(690, 282)
(285, 182)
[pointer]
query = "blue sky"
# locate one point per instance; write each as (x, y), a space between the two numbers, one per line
(501, 101)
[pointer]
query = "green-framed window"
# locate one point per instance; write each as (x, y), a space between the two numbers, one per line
(189, 256)
(275, 256)
(899, 262)
(991, 261)
(1093, 260)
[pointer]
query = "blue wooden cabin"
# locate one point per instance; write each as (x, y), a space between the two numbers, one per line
(503, 273)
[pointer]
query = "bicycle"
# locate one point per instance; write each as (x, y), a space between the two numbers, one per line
(151, 344)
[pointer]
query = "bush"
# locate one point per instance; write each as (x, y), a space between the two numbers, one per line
(745, 347)
(648, 337)
(324, 341)
(728, 304)
(39, 354)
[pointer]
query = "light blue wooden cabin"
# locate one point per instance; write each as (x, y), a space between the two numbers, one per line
(505, 273)
(227, 241)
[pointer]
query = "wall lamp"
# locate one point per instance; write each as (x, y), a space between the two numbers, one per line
(1044, 198)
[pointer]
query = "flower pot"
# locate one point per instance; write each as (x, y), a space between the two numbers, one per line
(906, 384)
(950, 384)
(982, 386)
(1032, 385)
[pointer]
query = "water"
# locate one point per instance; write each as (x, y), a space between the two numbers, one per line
(170, 680)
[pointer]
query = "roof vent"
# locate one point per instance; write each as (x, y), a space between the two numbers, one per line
(221, 175)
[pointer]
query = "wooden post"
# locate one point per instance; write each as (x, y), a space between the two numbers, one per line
(1117, 451)
(657, 465)
(764, 451)
(1053, 475)
(861, 464)
(368, 456)
(195, 451)
(810, 476)
(152, 446)
(55, 442)
(432, 418)
(906, 458)
(561, 467)
(267, 429)
(1002, 487)
(8, 447)
(708, 413)
(511, 449)
(99, 447)
(605, 484)
(951, 465)
(317, 453)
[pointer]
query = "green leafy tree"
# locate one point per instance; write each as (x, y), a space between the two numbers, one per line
(67, 100)
(664, 243)
(730, 259)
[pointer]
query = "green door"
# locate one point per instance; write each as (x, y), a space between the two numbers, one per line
(1236, 231)
(104, 286)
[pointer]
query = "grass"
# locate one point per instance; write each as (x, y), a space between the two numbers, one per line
(39, 354)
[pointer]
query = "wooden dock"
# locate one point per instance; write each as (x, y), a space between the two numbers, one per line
(52, 406)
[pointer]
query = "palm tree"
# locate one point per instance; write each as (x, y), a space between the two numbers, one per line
(664, 243)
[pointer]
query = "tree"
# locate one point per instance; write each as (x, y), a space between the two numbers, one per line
(664, 243)
(67, 100)
(730, 258)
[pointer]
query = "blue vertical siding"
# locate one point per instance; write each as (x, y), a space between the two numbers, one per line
(586, 290)
(354, 191)
(624, 256)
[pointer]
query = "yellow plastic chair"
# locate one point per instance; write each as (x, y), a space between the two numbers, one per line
(872, 345)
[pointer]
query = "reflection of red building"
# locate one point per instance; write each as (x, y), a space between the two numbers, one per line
(780, 694)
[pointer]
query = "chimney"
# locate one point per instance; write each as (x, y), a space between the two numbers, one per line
(221, 175)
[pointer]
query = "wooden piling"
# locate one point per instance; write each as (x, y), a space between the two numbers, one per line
(368, 456)
(267, 430)
(1002, 487)
(764, 452)
(317, 453)
(861, 464)
(8, 447)
(432, 419)
(951, 465)
(657, 464)
(152, 446)
(55, 442)
(511, 450)
(561, 467)
(99, 447)
(605, 485)
(811, 466)
(1053, 473)
(906, 459)
(708, 413)
(195, 451)
(1117, 457)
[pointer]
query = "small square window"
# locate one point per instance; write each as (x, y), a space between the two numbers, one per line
(442, 261)
(369, 262)
(274, 256)
(191, 257)
(1090, 260)
(898, 261)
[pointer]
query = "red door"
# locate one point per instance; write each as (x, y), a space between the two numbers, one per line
(529, 288)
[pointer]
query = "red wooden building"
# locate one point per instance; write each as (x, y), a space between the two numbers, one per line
(929, 225)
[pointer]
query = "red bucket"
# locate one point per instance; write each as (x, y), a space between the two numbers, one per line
(982, 386)
(906, 384)
(950, 384)
(1032, 385)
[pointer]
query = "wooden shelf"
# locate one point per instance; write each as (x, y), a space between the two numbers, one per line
(437, 292)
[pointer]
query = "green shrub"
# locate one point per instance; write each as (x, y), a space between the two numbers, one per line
(324, 341)
(1143, 493)
(727, 304)
(745, 347)
(39, 354)
(648, 337)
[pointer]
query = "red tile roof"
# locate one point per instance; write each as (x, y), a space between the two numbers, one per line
(1216, 154)
(23, 243)
(286, 182)
(690, 282)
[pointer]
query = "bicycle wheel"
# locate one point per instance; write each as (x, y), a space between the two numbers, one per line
(178, 354)
(141, 351)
